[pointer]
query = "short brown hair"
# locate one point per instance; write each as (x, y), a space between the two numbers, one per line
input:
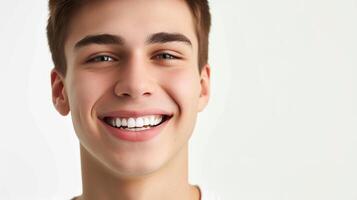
(62, 10)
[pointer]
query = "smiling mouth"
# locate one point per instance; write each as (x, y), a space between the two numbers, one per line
(136, 123)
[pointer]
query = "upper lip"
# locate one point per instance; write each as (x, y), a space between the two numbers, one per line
(134, 113)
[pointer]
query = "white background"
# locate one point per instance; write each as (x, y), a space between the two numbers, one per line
(281, 123)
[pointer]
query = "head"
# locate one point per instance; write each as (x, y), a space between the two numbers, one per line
(122, 59)
(61, 12)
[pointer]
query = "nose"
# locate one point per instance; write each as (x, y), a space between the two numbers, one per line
(134, 80)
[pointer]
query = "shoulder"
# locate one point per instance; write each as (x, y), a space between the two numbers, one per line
(208, 194)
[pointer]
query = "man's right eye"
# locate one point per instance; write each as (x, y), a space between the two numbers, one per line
(101, 58)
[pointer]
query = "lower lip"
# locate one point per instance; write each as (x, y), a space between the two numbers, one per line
(135, 136)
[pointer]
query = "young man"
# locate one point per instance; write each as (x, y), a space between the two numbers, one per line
(134, 75)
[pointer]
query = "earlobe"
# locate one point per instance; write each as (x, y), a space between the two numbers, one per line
(59, 95)
(205, 87)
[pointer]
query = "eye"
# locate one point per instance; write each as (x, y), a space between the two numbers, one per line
(101, 58)
(165, 56)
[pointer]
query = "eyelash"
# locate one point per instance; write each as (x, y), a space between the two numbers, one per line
(101, 56)
(159, 56)
(166, 54)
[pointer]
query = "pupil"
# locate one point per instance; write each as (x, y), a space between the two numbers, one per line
(103, 58)
(166, 56)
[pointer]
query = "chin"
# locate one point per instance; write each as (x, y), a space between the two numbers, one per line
(136, 167)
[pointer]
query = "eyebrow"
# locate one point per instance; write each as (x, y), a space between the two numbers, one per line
(161, 37)
(164, 37)
(99, 39)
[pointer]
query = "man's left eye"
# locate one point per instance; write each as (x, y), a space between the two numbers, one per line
(165, 56)
(102, 58)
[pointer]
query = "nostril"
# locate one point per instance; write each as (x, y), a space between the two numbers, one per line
(125, 94)
(128, 95)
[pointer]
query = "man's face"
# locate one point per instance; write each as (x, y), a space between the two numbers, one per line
(148, 68)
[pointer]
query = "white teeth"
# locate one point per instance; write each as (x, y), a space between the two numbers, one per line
(118, 122)
(146, 121)
(152, 120)
(124, 122)
(139, 122)
(137, 129)
(159, 119)
(131, 123)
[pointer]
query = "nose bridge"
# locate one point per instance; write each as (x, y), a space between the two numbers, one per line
(133, 79)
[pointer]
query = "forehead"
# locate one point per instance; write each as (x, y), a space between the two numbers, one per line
(133, 20)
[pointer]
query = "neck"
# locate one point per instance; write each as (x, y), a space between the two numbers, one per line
(169, 182)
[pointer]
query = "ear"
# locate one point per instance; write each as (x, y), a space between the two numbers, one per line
(205, 87)
(59, 95)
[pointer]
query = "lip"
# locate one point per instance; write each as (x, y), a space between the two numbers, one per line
(134, 136)
(134, 113)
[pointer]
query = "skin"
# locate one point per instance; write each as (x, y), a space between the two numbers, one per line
(134, 76)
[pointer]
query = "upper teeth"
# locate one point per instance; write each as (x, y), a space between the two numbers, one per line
(150, 120)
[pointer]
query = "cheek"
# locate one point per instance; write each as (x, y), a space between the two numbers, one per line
(85, 90)
(183, 87)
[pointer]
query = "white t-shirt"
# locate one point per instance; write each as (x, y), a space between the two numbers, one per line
(208, 194)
